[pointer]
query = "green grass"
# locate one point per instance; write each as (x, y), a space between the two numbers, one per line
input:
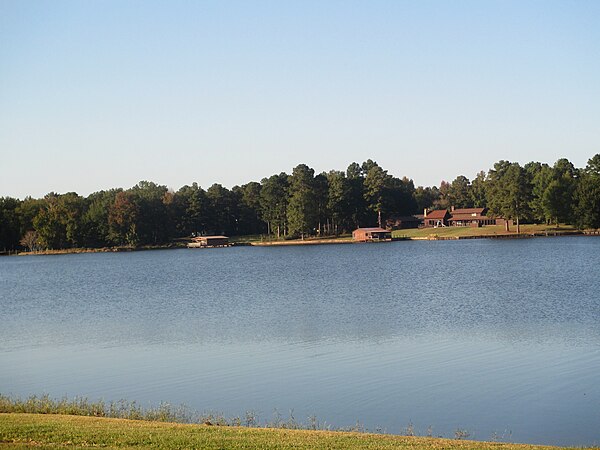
(21, 430)
(272, 238)
(487, 231)
(306, 241)
(425, 233)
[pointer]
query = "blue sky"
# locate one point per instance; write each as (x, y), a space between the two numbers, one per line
(102, 94)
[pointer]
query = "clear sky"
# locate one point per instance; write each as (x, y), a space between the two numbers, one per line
(102, 94)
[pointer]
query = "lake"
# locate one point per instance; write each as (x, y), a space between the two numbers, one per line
(497, 337)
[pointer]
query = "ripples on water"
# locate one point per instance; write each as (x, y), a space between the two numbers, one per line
(488, 336)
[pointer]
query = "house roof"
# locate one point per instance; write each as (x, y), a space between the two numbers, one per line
(201, 238)
(469, 217)
(479, 211)
(437, 214)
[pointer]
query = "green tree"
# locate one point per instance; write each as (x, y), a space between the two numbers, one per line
(321, 190)
(593, 166)
(152, 219)
(541, 177)
(27, 210)
(122, 220)
(302, 206)
(339, 201)
(587, 195)
(49, 224)
(248, 209)
(443, 200)
(95, 226)
(425, 197)
(10, 232)
(58, 223)
(478, 191)
(399, 197)
(274, 203)
(377, 184)
(509, 191)
(357, 202)
(222, 213)
(190, 210)
(558, 197)
(459, 193)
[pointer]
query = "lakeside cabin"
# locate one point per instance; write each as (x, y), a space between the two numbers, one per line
(437, 218)
(209, 242)
(470, 217)
(371, 235)
(462, 217)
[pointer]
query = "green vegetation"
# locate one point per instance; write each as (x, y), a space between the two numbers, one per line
(487, 231)
(300, 205)
(42, 422)
(81, 406)
(21, 431)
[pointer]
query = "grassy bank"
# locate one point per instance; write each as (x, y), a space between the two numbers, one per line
(484, 232)
(79, 422)
(492, 231)
(69, 251)
(307, 241)
(73, 432)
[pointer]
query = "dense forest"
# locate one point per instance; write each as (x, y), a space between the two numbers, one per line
(296, 205)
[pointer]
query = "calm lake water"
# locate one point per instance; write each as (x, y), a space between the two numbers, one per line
(484, 335)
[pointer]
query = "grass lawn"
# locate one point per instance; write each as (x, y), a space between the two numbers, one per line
(425, 233)
(19, 431)
(492, 230)
(306, 241)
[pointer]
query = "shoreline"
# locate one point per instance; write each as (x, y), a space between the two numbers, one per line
(302, 242)
(500, 236)
(73, 251)
(325, 241)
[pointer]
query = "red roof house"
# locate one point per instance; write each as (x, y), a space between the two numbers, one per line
(437, 218)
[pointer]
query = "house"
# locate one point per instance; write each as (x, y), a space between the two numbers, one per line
(470, 217)
(209, 241)
(462, 217)
(371, 234)
(437, 218)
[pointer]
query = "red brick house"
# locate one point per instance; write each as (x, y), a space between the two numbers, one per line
(470, 217)
(462, 217)
(437, 218)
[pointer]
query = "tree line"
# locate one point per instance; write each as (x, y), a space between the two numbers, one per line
(296, 205)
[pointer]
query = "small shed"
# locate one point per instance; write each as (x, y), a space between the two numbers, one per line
(371, 234)
(209, 241)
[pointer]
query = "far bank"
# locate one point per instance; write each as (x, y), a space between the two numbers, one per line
(416, 234)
